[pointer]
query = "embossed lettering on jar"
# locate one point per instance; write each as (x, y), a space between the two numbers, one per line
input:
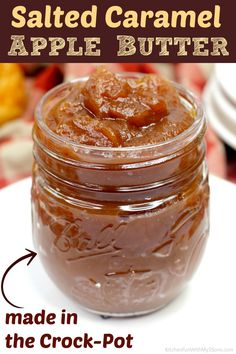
(121, 230)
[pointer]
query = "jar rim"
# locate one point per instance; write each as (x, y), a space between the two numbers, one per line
(177, 142)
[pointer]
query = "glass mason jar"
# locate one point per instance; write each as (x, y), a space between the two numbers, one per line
(121, 230)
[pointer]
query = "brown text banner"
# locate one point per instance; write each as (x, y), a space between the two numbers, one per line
(117, 31)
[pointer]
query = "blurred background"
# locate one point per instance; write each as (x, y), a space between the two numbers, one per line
(22, 85)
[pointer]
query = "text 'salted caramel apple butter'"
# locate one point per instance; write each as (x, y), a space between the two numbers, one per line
(120, 190)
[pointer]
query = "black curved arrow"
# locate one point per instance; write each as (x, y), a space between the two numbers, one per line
(31, 255)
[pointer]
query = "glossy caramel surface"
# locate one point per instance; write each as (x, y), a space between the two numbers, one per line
(112, 111)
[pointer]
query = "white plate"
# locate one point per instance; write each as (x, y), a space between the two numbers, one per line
(203, 316)
(220, 98)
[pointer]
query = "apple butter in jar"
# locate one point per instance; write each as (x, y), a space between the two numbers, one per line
(120, 190)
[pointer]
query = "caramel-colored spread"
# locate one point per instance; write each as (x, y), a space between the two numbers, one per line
(110, 110)
(123, 232)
